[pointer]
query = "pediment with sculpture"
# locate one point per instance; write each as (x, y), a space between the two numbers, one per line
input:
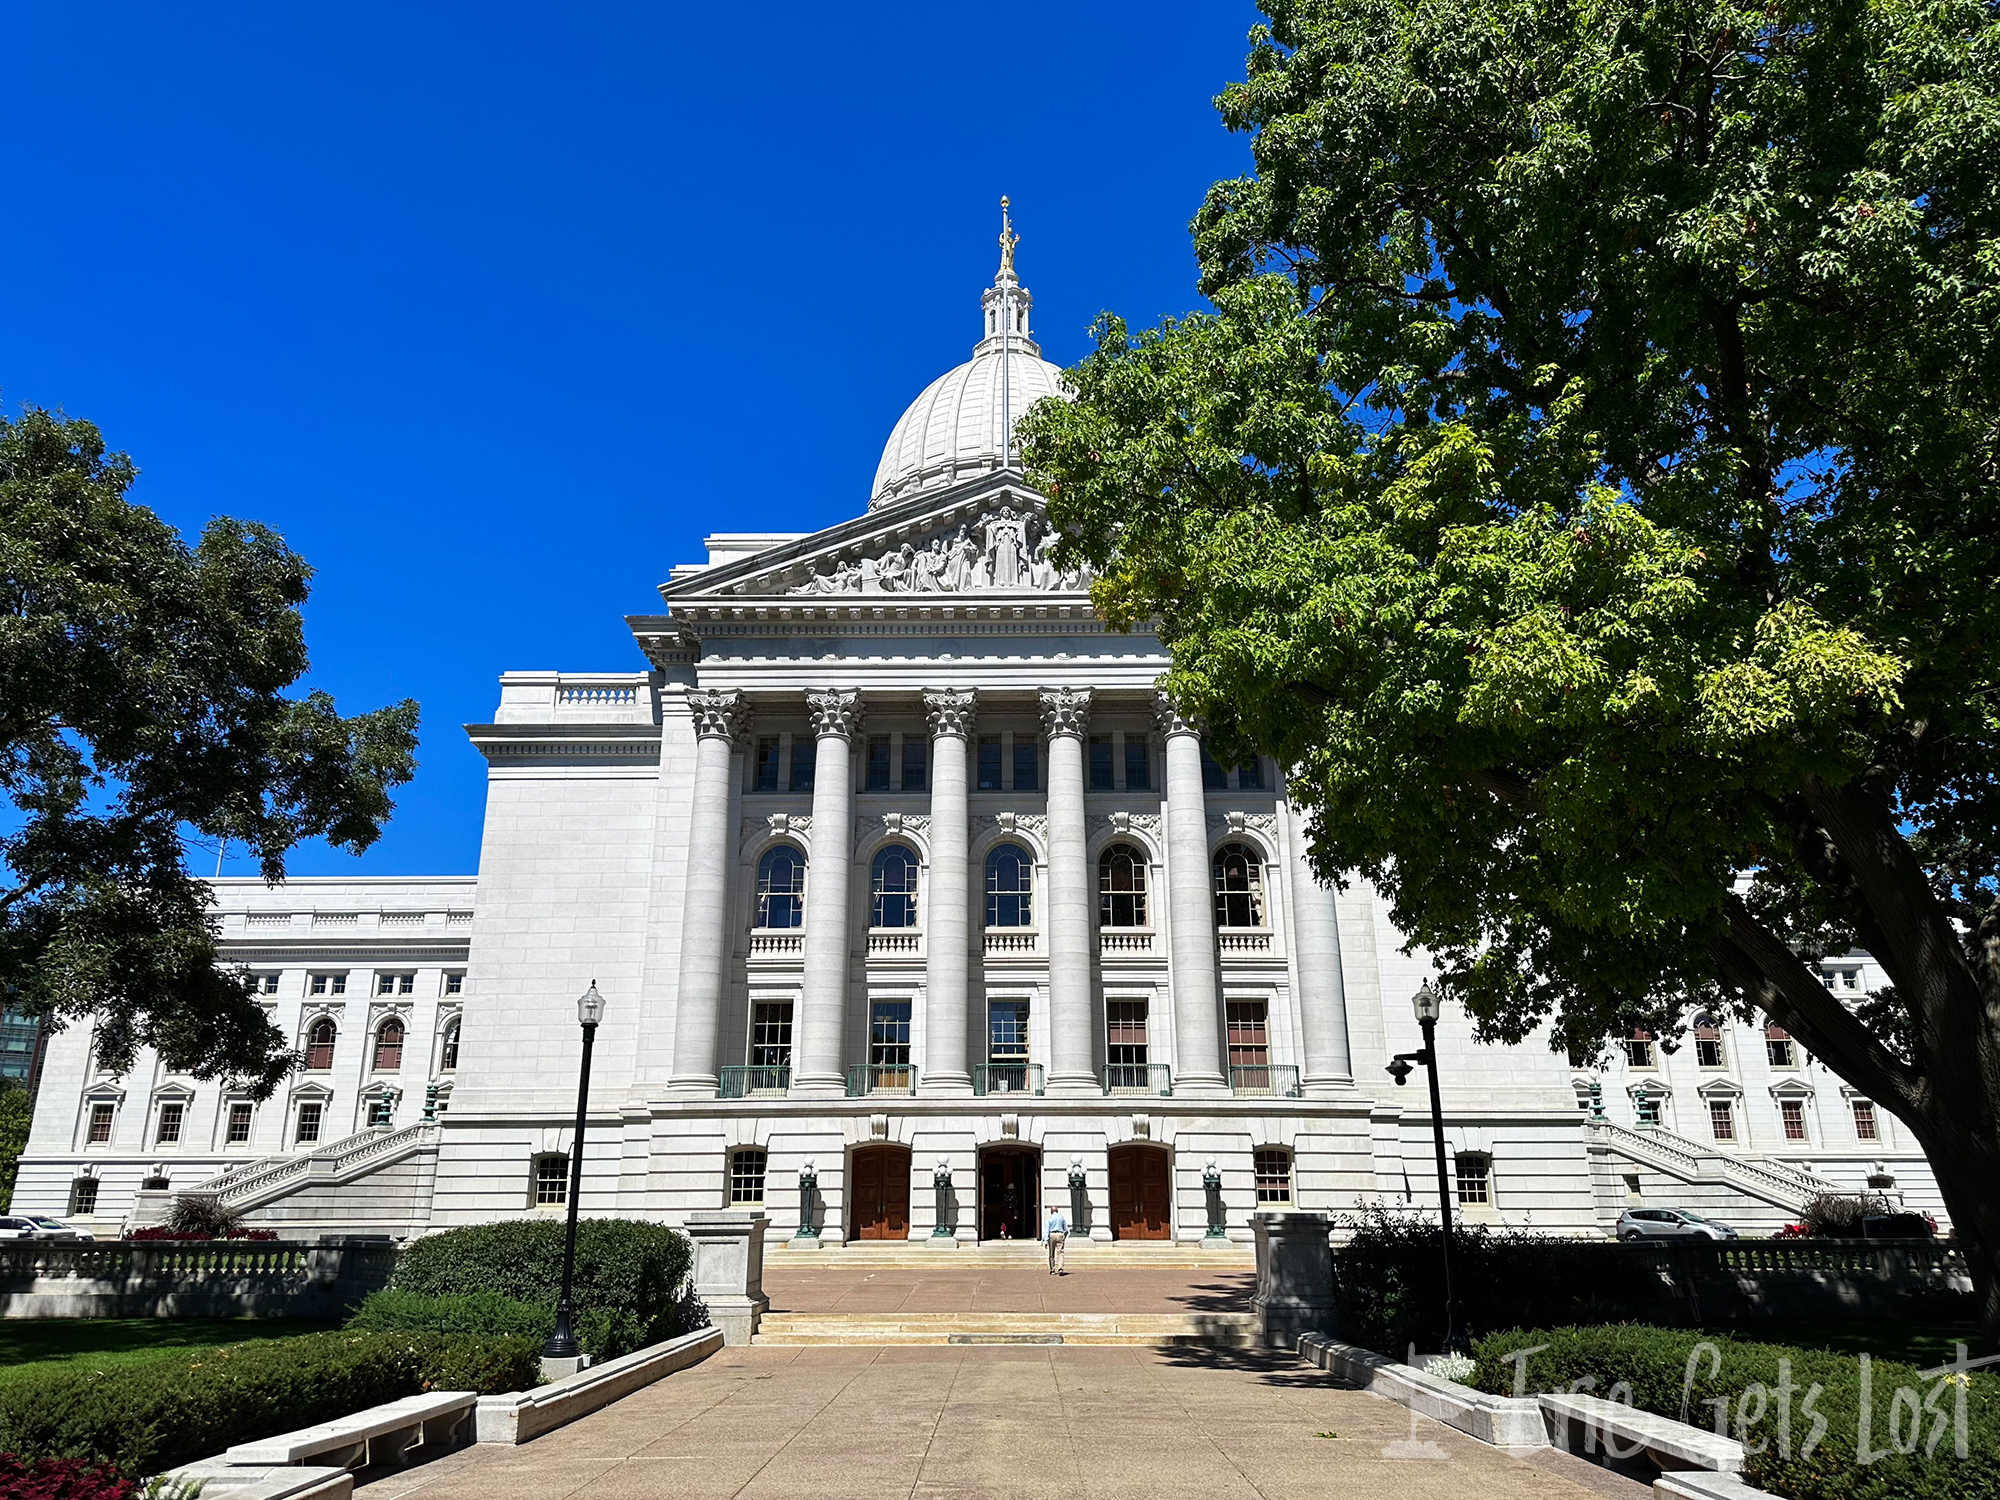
(1002, 551)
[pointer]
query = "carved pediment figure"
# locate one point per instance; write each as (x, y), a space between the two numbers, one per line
(1006, 550)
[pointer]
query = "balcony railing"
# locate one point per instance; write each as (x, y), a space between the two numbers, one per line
(1242, 941)
(1264, 1080)
(1007, 1078)
(748, 1082)
(895, 944)
(881, 1078)
(777, 944)
(1123, 940)
(1153, 1079)
(1003, 940)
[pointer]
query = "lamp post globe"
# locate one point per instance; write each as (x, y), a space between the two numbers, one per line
(562, 1343)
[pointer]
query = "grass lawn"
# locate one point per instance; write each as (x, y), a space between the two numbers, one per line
(29, 1344)
(1925, 1345)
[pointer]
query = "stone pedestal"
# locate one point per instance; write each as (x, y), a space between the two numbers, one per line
(729, 1270)
(1294, 1277)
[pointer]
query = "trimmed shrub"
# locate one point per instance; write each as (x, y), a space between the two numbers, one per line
(1776, 1410)
(477, 1314)
(630, 1287)
(145, 1418)
(1389, 1281)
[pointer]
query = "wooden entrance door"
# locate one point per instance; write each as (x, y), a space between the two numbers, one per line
(880, 1193)
(1141, 1193)
(1008, 1202)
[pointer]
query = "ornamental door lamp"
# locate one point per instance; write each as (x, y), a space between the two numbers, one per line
(941, 1180)
(1079, 1193)
(589, 1012)
(1429, 1005)
(808, 1200)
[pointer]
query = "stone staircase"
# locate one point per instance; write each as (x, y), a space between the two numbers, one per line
(1231, 1330)
(1778, 1183)
(257, 1183)
(923, 1255)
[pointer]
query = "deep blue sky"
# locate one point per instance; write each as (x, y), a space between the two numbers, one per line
(494, 311)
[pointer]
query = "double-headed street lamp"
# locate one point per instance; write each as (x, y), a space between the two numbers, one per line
(589, 1011)
(1429, 1006)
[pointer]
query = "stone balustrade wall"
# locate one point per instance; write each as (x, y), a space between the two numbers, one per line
(190, 1278)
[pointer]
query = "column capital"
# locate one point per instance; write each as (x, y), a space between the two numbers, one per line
(836, 711)
(718, 713)
(1065, 711)
(951, 711)
(1171, 720)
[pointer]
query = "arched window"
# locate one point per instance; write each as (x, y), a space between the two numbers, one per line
(1121, 887)
(1010, 882)
(448, 1054)
(1707, 1042)
(389, 1046)
(1239, 887)
(781, 887)
(319, 1043)
(895, 887)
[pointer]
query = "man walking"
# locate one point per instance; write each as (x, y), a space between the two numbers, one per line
(1058, 1236)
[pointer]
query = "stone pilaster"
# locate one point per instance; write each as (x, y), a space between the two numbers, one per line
(1197, 982)
(705, 924)
(947, 934)
(818, 1064)
(1071, 906)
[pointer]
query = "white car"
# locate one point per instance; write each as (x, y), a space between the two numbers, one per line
(1670, 1224)
(17, 1228)
(54, 1229)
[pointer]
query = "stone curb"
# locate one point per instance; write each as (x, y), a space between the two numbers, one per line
(521, 1416)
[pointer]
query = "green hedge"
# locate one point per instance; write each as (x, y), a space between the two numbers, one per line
(145, 1418)
(1668, 1371)
(1389, 1282)
(630, 1287)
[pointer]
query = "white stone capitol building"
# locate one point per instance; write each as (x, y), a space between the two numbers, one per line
(894, 862)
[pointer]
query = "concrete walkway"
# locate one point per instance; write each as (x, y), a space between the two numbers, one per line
(1037, 1424)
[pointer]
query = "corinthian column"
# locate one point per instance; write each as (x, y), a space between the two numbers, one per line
(1197, 985)
(1322, 982)
(1071, 911)
(816, 1052)
(947, 962)
(718, 719)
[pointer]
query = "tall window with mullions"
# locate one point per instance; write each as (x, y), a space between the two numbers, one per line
(895, 888)
(771, 1034)
(1010, 878)
(1007, 1032)
(889, 1042)
(781, 887)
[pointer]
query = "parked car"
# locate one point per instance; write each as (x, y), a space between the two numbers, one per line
(1670, 1224)
(18, 1229)
(56, 1229)
(1909, 1226)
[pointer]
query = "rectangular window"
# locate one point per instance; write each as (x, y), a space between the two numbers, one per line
(1647, 1108)
(1027, 765)
(916, 764)
(83, 1197)
(329, 984)
(1721, 1120)
(1707, 1051)
(1125, 1047)
(878, 763)
(767, 763)
(385, 984)
(1865, 1127)
(1639, 1050)
(1249, 1042)
(889, 1034)
(1793, 1113)
(804, 752)
(771, 1034)
(309, 1117)
(1007, 1031)
(1138, 767)
(1475, 1179)
(551, 1181)
(381, 1111)
(454, 984)
(1213, 777)
(989, 763)
(100, 1123)
(1250, 775)
(171, 1115)
(264, 984)
(1778, 1047)
(239, 1123)
(1274, 1174)
(1850, 979)
(1100, 764)
(746, 1176)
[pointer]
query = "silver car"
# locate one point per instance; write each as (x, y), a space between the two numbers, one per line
(1670, 1224)
(16, 1227)
(54, 1229)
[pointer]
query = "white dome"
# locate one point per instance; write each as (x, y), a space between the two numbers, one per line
(952, 431)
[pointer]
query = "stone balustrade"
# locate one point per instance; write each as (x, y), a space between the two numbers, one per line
(189, 1278)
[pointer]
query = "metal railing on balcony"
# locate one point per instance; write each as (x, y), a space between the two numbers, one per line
(1153, 1079)
(1264, 1080)
(741, 1081)
(1007, 1078)
(881, 1078)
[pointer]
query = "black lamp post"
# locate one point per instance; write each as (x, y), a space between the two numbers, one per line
(589, 1011)
(1429, 1006)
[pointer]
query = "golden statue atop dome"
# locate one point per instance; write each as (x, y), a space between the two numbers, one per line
(1008, 240)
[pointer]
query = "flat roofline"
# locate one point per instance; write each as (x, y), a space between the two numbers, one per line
(291, 880)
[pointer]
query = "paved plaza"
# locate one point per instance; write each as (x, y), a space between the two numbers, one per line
(1059, 1423)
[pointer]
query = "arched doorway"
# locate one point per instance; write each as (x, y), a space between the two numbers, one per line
(1142, 1192)
(1009, 1192)
(878, 1193)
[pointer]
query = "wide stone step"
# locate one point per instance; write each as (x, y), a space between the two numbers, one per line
(1233, 1329)
(921, 1255)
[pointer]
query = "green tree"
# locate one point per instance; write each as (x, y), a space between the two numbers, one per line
(1587, 482)
(16, 1110)
(142, 701)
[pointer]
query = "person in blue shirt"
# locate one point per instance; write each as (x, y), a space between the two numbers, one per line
(1057, 1233)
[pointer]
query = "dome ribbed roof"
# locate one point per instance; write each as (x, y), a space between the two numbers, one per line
(952, 432)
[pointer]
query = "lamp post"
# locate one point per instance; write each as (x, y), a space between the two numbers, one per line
(1211, 1186)
(589, 1011)
(1429, 1005)
(1079, 1194)
(808, 1194)
(941, 1180)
